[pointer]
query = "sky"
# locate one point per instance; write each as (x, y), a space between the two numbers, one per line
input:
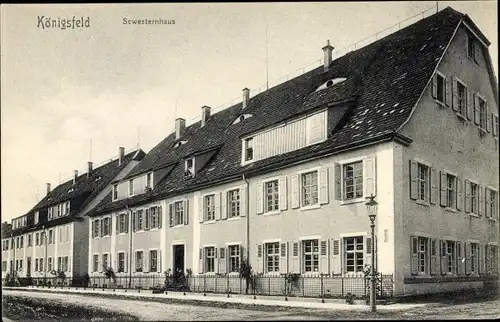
(75, 95)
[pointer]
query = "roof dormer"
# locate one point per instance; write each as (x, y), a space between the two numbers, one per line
(330, 83)
(241, 118)
(189, 169)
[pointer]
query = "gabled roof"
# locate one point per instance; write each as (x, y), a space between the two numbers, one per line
(383, 79)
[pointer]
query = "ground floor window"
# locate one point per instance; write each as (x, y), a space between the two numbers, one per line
(209, 259)
(354, 254)
(234, 258)
(473, 257)
(95, 263)
(153, 260)
(138, 261)
(121, 262)
(272, 257)
(310, 255)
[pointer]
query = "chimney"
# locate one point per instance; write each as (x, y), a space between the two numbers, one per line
(205, 114)
(75, 176)
(246, 97)
(121, 155)
(48, 188)
(89, 172)
(180, 125)
(328, 55)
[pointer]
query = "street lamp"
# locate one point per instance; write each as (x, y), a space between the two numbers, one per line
(371, 206)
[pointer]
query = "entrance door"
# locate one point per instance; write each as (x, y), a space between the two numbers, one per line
(28, 266)
(178, 258)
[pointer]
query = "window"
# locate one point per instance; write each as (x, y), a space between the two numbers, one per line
(471, 47)
(66, 264)
(37, 239)
(22, 241)
(42, 238)
(4, 266)
(59, 263)
(448, 252)
(41, 264)
(131, 187)
(51, 236)
(354, 252)
(105, 261)
(249, 149)
(209, 207)
(423, 182)
(138, 261)
(451, 190)
(440, 88)
(234, 258)
(96, 263)
(309, 188)
(310, 255)
(493, 207)
(123, 223)
(272, 257)
(272, 195)
(474, 198)
(233, 203)
(178, 213)
(422, 254)
(106, 229)
(149, 177)
(36, 265)
(153, 260)
(51, 215)
(37, 217)
(59, 208)
(353, 180)
(49, 264)
(115, 191)
(121, 262)
(473, 257)
(155, 217)
(95, 228)
(462, 99)
(189, 168)
(18, 243)
(491, 259)
(482, 113)
(209, 259)
(30, 240)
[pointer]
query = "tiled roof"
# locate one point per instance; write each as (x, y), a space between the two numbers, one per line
(383, 79)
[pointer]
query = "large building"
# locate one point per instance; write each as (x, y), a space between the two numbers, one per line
(52, 235)
(282, 177)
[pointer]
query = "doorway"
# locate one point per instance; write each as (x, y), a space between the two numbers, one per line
(178, 251)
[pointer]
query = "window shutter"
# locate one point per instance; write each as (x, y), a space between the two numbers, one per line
(186, 212)
(147, 219)
(482, 258)
(117, 224)
(171, 214)
(467, 254)
(201, 209)
(145, 261)
(259, 192)
(99, 263)
(338, 181)
(336, 257)
(243, 200)
(444, 195)
(454, 94)
(101, 226)
(494, 125)
(477, 115)
(443, 257)
(459, 194)
(201, 261)
(470, 104)
(434, 183)
(284, 258)
(413, 180)
(467, 196)
(217, 204)
(223, 207)
(487, 196)
(434, 85)
(323, 185)
(295, 191)
(160, 216)
(460, 258)
(488, 118)
(480, 195)
(433, 253)
(295, 258)
(134, 221)
(451, 97)
(222, 260)
(324, 256)
(283, 191)
(158, 261)
(93, 233)
(414, 255)
(260, 260)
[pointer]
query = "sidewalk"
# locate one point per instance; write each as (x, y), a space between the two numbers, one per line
(330, 304)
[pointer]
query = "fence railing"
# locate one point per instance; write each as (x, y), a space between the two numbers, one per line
(324, 286)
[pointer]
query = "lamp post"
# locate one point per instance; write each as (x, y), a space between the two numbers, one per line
(371, 206)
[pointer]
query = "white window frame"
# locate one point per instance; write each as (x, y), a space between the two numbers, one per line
(95, 268)
(354, 251)
(228, 205)
(300, 173)
(275, 257)
(181, 222)
(453, 243)
(264, 195)
(118, 262)
(110, 224)
(131, 188)
(149, 177)
(205, 259)
(244, 144)
(37, 217)
(343, 186)
(459, 113)
(475, 212)
(471, 40)
(482, 121)
(229, 257)
(493, 216)
(157, 217)
(150, 257)
(205, 209)
(314, 254)
(102, 261)
(136, 261)
(439, 74)
(115, 191)
(429, 183)
(455, 194)
(192, 168)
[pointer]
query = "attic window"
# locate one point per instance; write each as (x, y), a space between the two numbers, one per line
(71, 189)
(242, 118)
(189, 168)
(330, 83)
(98, 178)
(179, 143)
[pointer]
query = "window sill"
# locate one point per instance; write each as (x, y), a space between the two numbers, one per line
(439, 103)
(271, 213)
(179, 226)
(209, 222)
(352, 201)
(461, 116)
(311, 207)
(474, 215)
(422, 202)
(233, 218)
(450, 209)
(492, 219)
(122, 234)
(233, 274)
(311, 274)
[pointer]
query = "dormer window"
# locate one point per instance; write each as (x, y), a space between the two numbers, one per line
(330, 83)
(179, 143)
(189, 168)
(98, 178)
(37, 217)
(149, 180)
(248, 149)
(115, 191)
(241, 118)
(131, 187)
(471, 47)
(71, 190)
